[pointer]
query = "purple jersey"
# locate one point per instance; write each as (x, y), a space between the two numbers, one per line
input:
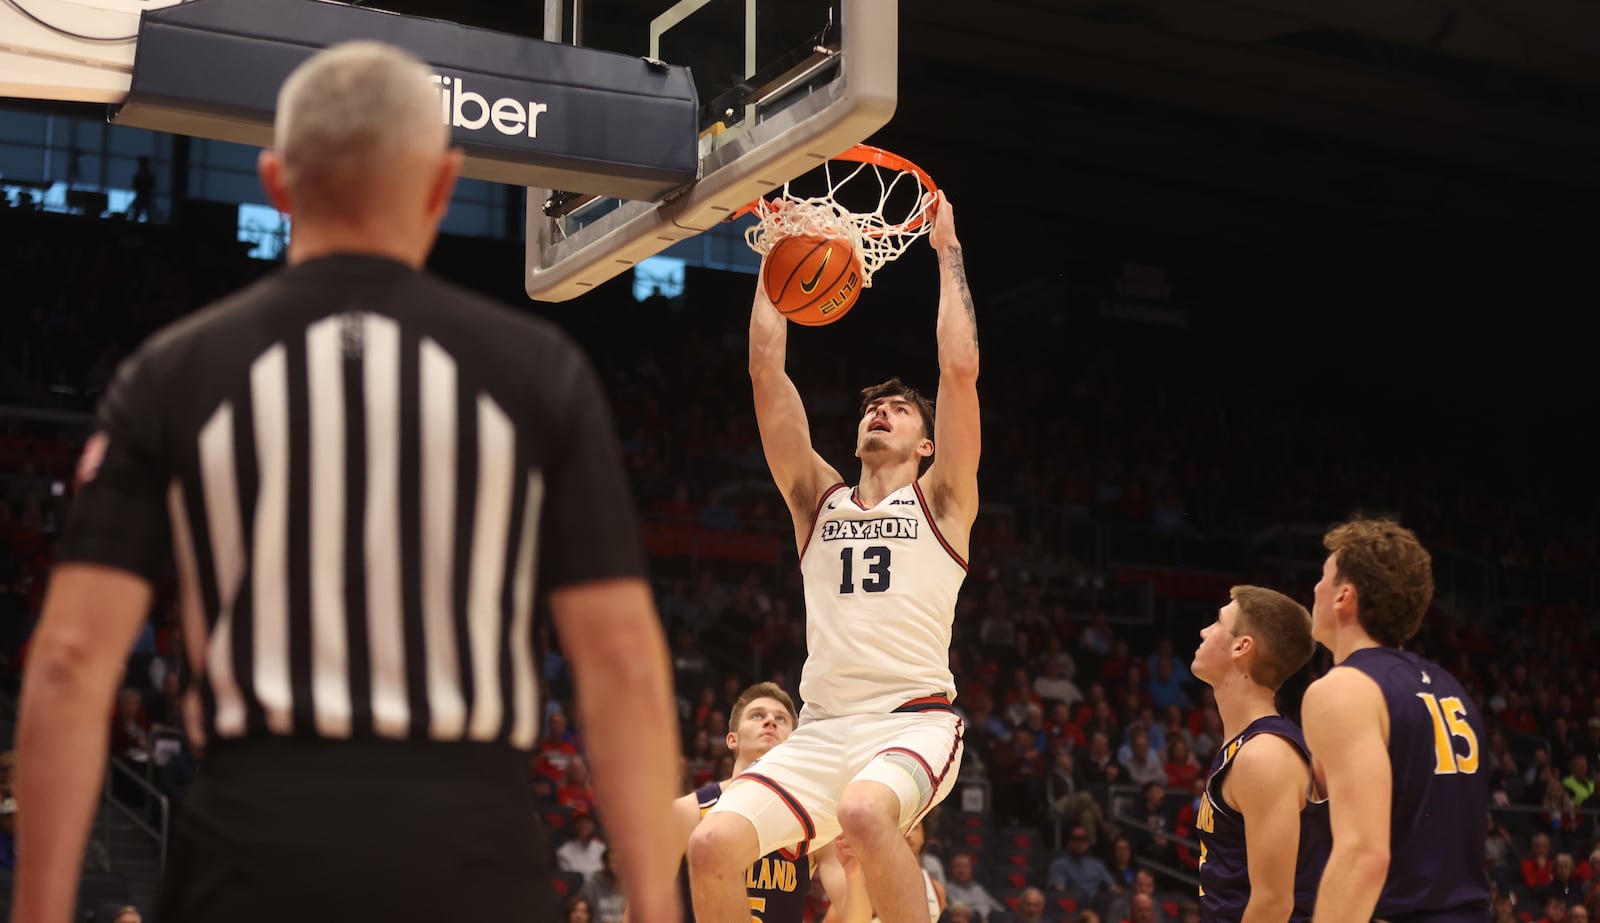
(1224, 859)
(1436, 818)
(778, 882)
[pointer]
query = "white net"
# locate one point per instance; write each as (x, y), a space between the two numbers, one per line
(876, 238)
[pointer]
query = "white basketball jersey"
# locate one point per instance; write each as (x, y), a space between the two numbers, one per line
(881, 588)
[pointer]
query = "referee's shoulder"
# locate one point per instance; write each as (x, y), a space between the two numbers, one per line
(171, 343)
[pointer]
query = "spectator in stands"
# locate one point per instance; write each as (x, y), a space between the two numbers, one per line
(603, 891)
(1565, 740)
(1056, 684)
(1030, 906)
(8, 834)
(1589, 874)
(1169, 678)
(130, 732)
(1072, 807)
(1505, 779)
(557, 747)
(1537, 869)
(1183, 825)
(962, 888)
(583, 853)
(1078, 872)
(578, 910)
(1559, 810)
(1578, 913)
(1140, 906)
(1189, 912)
(1503, 908)
(1141, 763)
(1498, 849)
(1533, 778)
(1176, 727)
(1099, 765)
(1562, 884)
(575, 791)
(1102, 718)
(1579, 782)
(1020, 696)
(1182, 767)
(1065, 734)
(958, 912)
(1555, 910)
(144, 191)
(1149, 816)
(1154, 730)
(1121, 866)
(1209, 737)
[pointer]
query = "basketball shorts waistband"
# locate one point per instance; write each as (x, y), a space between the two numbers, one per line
(936, 702)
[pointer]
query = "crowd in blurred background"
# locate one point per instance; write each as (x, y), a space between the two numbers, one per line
(1119, 506)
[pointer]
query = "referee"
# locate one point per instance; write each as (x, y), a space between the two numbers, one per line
(366, 479)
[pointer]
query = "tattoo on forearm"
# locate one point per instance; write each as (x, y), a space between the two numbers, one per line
(958, 268)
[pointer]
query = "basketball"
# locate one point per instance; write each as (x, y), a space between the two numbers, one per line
(812, 280)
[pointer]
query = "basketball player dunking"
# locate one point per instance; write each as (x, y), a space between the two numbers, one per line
(878, 743)
(761, 718)
(1396, 739)
(1263, 831)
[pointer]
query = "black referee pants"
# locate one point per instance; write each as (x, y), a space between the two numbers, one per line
(310, 830)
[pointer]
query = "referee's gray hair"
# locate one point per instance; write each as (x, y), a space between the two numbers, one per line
(352, 109)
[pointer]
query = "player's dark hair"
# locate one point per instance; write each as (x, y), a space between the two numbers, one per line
(894, 387)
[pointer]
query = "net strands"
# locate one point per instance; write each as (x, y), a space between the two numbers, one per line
(876, 239)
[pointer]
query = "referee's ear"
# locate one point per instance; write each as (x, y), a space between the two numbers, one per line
(444, 184)
(269, 166)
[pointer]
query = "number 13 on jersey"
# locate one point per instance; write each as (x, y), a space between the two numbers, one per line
(874, 559)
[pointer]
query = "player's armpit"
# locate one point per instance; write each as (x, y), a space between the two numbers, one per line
(685, 817)
(1343, 714)
(1268, 783)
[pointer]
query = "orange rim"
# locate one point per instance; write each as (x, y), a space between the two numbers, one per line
(877, 156)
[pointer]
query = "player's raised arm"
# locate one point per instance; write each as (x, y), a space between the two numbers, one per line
(799, 471)
(1268, 782)
(1346, 736)
(958, 437)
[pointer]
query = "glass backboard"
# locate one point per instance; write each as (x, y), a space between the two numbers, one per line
(783, 85)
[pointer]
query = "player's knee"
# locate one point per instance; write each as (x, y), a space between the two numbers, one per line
(869, 810)
(722, 842)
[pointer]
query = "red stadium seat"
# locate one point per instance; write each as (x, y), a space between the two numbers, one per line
(566, 884)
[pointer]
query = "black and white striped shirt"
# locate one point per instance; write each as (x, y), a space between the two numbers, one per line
(365, 476)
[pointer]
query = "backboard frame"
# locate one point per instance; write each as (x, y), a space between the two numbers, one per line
(736, 167)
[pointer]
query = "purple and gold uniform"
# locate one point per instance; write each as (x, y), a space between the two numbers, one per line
(1224, 859)
(1436, 817)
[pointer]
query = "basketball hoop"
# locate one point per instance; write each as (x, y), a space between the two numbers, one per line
(876, 235)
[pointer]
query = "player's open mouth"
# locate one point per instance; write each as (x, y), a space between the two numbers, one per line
(878, 428)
